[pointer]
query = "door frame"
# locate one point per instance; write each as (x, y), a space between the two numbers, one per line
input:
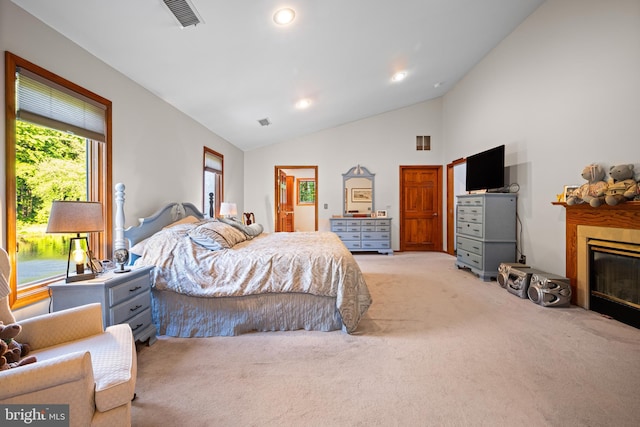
(438, 189)
(451, 234)
(276, 192)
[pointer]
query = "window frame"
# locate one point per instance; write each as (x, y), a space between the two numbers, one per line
(99, 178)
(219, 184)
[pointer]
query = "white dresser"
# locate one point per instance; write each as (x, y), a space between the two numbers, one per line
(364, 234)
(485, 232)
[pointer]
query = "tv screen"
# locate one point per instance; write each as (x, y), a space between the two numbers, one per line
(485, 171)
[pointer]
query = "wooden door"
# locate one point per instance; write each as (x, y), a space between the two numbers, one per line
(289, 220)
(421, 208)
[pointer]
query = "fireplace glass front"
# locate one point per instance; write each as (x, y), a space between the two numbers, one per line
(614, 280)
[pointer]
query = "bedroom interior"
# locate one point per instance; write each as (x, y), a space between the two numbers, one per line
(438, 346)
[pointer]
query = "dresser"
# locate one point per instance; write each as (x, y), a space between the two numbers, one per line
(485, 232)
(125, 298)
(364, 234)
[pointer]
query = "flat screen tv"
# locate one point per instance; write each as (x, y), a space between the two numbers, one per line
(485, 170)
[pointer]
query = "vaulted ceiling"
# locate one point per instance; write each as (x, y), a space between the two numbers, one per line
(238, 66)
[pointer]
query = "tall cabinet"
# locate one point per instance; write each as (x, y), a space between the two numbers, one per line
(485, 232)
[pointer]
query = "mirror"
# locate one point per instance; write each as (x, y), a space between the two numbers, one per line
(358, 195)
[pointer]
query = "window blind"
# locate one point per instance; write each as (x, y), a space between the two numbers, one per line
(43, 102)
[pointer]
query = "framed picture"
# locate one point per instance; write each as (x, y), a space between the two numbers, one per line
(381, 214)
(568, 191)
(360, 195)
(306, 191)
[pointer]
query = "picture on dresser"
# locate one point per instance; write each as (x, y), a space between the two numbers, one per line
(359, 195)
(381, 214)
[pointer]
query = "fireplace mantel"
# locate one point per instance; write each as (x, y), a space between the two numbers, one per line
(625, 216)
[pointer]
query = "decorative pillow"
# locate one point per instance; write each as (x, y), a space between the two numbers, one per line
(186, 220)
(215, 235)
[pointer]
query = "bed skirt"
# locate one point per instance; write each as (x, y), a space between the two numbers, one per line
(179, 315)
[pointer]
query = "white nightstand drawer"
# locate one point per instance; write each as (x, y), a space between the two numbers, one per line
(119, 293)
(140, 322)
(129, 308)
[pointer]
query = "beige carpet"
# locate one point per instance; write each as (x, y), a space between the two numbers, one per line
(437, 348)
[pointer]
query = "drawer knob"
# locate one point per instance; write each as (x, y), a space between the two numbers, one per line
(135, 289)
(138, 326)
(135, 308)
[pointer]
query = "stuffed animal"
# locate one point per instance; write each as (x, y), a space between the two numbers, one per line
(15, 353)
(3, 360)
(622, 185)
(593, 191)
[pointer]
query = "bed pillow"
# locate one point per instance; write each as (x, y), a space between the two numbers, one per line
(186, 220)
(139, 247)
(215, 235)
(251, 231)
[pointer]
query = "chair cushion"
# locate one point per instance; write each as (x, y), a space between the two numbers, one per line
(113, 358)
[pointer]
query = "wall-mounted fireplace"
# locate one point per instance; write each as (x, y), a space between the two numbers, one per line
(614, 280)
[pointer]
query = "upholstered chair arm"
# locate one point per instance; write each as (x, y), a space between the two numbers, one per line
(66, 379)
(62, 326)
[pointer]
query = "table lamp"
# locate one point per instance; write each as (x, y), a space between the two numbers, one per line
(77, 217)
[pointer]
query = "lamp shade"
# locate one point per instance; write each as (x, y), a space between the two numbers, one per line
(228, 209)
(75, 217)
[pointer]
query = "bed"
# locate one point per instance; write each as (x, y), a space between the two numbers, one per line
(220, 278)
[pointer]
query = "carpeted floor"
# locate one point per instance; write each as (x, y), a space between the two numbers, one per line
(438, 347)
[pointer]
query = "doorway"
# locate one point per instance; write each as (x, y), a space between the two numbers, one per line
(421, 208)
(295, 201)
(456, 173)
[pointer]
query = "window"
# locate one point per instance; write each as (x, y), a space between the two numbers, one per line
(213, 179)
(57, 147)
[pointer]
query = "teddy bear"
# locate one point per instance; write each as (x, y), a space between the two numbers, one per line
(622, 185)
(4, 365)
(593, 191)
(15, 353)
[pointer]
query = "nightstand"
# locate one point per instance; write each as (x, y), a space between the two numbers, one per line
(125, 298)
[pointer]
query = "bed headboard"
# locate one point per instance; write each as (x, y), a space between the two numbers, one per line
(169, 213)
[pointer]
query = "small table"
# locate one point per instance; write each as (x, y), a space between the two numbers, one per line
(125, 298)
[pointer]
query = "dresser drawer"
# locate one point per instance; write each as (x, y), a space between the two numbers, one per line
(339, 222)
(338, 228)
(354, 222)
(120, 313)
(469, 258)
(471, 201)
(470, 214)
(368, 228)
(375, 235)
(119, 293)
(469, 245)
(348, 236)
(383, 222)
(383, 228)
(470, 229)
(353, 244)
(353, 228)
(375, 244)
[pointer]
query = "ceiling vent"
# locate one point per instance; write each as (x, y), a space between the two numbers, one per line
(184, 12)
(264, 122)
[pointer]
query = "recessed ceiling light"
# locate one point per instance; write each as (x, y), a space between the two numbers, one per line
(284, 16)
(437, 85)
(399, 76)
(303, 103)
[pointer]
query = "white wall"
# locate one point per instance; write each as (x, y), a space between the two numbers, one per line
(157, 150)
(380, 143)
(562, 91)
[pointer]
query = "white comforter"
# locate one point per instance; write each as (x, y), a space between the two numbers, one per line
(317, 263)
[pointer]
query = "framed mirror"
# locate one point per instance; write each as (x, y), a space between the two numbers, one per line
(358, 195)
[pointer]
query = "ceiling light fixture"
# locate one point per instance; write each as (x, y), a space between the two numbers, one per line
(303, 103)
(437, 85)
(399, 76)
(284, 16)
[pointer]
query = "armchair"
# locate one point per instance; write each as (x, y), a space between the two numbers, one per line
(79, 363)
